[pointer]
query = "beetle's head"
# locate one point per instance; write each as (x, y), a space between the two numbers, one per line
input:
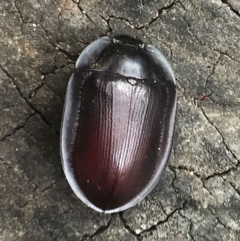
(127, 40)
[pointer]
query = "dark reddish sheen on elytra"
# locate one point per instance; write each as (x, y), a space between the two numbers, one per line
(118, 122)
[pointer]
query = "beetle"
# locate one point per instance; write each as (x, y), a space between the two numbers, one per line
(118, 122)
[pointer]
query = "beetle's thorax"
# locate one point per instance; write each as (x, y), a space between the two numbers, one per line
(125, 62)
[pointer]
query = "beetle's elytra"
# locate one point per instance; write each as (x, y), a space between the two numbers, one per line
(118, 122)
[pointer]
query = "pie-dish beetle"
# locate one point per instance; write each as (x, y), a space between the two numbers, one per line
(118, 122)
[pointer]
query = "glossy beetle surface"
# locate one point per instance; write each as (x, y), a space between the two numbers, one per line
(118, 122)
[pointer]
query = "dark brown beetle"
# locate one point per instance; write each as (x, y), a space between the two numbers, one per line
(118, 122)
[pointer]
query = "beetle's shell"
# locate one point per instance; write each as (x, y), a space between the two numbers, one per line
(118, 123)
